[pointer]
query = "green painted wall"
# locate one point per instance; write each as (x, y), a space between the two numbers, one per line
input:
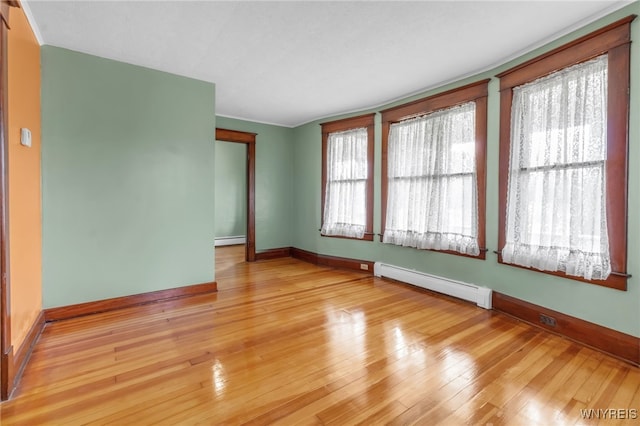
(274, 181)
(231, 189)
(611, 308)
(128, 179)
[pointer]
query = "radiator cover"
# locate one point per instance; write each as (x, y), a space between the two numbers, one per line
(481, 296)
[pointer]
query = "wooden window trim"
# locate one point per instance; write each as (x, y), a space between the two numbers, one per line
(613, 40)
(366, 120)
(475, 92)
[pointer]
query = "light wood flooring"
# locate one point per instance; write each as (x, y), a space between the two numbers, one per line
(286, 342)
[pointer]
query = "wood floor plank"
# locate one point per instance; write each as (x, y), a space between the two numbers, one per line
(285, 342)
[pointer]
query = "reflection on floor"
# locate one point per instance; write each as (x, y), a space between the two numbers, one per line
(229, 260)
(287, 342)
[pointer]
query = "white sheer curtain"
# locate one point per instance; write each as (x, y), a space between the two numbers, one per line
(346, 188)
(556, 202)
(432, 200)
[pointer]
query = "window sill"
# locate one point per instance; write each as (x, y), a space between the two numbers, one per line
(481, 256)
(367, 237)
(616, 282)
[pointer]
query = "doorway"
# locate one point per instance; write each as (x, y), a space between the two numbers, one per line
(249, 140)
(231, 194)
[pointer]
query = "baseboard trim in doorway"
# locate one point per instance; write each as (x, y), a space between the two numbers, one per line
(105, 305)
(17, 361)
(230, 241)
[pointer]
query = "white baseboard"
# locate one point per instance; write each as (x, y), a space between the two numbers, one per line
(230, 241)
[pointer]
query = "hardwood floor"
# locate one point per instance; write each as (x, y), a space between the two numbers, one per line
(286, 342)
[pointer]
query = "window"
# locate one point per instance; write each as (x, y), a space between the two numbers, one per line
(347, 178)
(434, 172)
(563, 159)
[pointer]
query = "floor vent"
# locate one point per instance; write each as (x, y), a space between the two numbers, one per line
(471, 292)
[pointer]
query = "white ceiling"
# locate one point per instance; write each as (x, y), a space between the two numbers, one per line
(292, 62)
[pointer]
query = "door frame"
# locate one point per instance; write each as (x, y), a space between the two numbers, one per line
(249, 139)
(6, 349)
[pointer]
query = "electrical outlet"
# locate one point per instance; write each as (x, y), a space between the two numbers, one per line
(547, 320)
(364, 266)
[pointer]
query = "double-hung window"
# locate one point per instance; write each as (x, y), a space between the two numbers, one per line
(434, 172)
(563, 160)
(347, 178)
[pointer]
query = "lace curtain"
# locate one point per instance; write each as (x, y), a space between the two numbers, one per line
(345, 192)
(432, 191)
(556, 217)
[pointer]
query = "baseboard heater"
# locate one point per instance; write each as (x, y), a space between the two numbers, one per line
(230, 241)
(471, 292)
